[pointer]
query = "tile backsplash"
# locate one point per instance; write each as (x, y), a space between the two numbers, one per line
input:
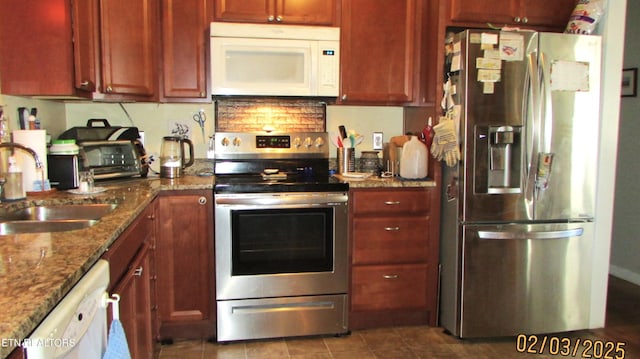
(281, 115)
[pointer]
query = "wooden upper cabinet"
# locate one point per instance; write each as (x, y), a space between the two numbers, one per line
(378, 41)
(552, 13)
(185, 37)
(36, 55)
(526, 13)
(308, 12)
(115, 48)
(129, 38)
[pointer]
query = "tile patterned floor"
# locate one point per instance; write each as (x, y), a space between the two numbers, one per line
(623, 326)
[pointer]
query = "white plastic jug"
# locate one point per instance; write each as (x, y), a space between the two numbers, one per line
(414, 160)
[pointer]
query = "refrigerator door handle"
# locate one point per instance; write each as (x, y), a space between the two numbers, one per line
(546, 114)
(532, 136)
(574, 232)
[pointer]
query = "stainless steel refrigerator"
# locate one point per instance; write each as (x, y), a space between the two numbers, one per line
(518, 209)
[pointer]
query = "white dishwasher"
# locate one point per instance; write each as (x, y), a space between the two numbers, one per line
(77, 326)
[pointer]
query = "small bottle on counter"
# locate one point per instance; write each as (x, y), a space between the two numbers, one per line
(13, 188)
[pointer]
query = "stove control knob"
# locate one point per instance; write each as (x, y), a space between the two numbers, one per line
(319, 142)
(237, 141)
(308, 142)
(297, 142)
(225, 142)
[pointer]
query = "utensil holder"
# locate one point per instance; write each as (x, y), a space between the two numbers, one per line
(346, 159)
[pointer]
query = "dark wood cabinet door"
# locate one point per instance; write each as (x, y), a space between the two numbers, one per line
(378, 47)
(185, 37)
(553, 13)
(131, 270)
(86, 41)
(36, 54)
(485, 11)
(525, 13)
(184, 262)
(135, 306)
(244, 10)
(129, 38)
(310, 12)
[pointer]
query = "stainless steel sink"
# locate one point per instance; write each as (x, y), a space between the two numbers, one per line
(53, 218)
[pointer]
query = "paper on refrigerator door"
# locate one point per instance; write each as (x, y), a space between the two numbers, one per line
(569, 76)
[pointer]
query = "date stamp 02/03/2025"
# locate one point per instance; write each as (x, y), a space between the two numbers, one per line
(573, 347)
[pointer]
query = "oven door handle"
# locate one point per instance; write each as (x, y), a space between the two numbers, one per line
(252, 309)
(328, 199)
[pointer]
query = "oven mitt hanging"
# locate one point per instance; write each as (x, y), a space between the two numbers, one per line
(445, 142)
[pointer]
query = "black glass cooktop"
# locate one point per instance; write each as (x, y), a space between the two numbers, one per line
(279, 176)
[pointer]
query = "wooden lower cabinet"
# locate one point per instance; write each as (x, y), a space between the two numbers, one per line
(394, 257)
(131, 268)
(185, 265)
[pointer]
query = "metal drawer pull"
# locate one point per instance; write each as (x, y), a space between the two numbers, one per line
(390, 276)
(138, 272)
(389, 229)
(392, 203)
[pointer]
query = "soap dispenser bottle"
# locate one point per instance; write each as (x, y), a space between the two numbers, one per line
(13, 188)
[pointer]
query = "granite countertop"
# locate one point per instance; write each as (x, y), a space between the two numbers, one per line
(389, 182)
(38, 269)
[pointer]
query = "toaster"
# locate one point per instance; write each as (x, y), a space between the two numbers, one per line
(107, 159)
(111, 159)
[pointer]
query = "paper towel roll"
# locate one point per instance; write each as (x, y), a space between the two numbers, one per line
(37, 141)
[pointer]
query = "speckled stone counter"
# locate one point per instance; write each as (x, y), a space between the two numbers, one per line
(38, 269)
(392, 182)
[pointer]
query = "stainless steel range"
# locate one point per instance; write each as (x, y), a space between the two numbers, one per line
(281, 237)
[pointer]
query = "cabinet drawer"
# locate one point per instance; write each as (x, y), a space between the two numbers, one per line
(390, 239)
(389, 287)
(123, 250)
(391, 201)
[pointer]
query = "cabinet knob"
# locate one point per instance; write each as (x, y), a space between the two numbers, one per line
(202, 94)
(279, 18)
(516, 19)
(202, 200)
(138, 272)
(109, 89)
(151, 217)
(271, 18)
(344, 97)
(525, 20)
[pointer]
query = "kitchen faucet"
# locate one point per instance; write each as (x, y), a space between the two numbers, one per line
(33, 153)
(14, 145)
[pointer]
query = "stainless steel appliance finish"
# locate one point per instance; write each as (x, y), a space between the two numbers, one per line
(111, 151)
(517, 213)
(278, 289)
(281, 237)
(112, 159)
(172, 156)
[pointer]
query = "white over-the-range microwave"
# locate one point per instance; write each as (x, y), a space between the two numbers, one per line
(275, 60)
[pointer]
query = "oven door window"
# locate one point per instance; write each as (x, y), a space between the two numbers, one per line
(268, 241)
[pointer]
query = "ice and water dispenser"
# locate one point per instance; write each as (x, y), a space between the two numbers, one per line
(498, 159)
